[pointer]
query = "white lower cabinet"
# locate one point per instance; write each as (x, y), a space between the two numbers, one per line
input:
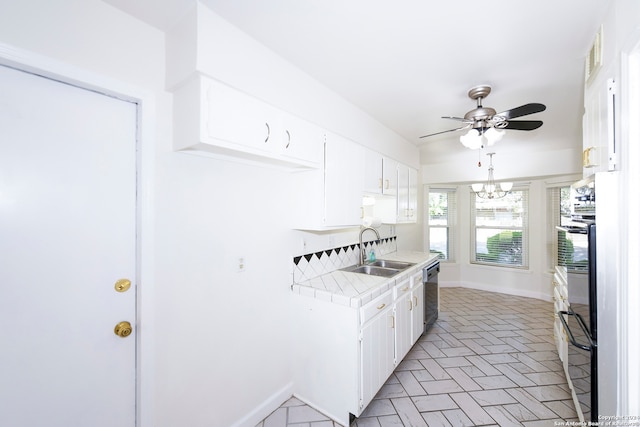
(344, 355)
(417, 311)
(402, 308)
(376, 348)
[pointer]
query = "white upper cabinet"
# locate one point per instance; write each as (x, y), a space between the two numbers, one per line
(407, 194)
(599, 127)
(394, 187)
(381, 174)
(331, 197)
(212, 118)
(344, 168)
(301, 141)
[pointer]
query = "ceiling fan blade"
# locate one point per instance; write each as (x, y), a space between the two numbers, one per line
(523, 124)
(444, 131)
(522, 110)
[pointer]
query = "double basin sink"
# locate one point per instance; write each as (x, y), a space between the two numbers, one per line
(381, 267)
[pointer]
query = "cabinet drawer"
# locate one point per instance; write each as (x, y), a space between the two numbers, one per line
(376, 306)
(401, 288)
(416, 279)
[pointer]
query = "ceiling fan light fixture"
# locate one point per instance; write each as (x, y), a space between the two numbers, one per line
(472, 139)
(485, 119)
(493, 135)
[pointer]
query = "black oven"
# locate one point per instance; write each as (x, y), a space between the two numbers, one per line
(577, 245)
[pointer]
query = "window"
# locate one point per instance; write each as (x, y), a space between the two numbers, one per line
(500, 229)
(442, 220)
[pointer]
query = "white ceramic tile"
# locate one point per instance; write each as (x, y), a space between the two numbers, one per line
(408, 412)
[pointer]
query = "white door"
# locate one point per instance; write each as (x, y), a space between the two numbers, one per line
(67, 234)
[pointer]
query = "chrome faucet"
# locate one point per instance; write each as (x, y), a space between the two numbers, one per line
(362, 251)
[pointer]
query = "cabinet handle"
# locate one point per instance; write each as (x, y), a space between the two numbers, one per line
(404, 289)
(416, 303)
(410, 305)
(386, 184)
(380, 183)
(288, 139)
(393, 322)
(381, 306)
(268, 132)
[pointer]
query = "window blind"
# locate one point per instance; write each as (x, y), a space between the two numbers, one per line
(500, 229)
(558, 213)
(442, 218)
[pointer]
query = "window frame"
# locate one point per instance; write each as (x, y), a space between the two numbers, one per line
(524, 229)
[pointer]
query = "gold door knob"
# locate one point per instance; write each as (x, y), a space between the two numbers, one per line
(122, 285)
(123, 329)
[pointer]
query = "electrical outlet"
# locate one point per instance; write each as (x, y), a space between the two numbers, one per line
(242, 266)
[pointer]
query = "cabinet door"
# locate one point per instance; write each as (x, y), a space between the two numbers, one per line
(417, 312)
(403, 193)
(237, 118)
(389, 177)
(407, 193)
(376, 352)
(343, 181)
(301, 140)
(373, 182)
(402, 309)
(413, 196)
(598, 127)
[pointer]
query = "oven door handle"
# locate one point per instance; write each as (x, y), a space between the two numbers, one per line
(570, 334)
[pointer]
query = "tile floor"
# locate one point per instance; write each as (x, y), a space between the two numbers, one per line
(489, 360)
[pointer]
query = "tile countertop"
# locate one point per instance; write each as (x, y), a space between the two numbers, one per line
(356, 289)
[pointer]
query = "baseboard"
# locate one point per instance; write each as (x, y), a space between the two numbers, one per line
(498, 289)
(263, 410)
(321, 410)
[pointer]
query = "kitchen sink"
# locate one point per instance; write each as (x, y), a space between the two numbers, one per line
(398, 265)
(381, 267)
(372, 270)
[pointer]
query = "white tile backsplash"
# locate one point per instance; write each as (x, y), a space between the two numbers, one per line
(308, 266)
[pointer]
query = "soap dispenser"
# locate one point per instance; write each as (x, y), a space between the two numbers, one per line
(372, 255)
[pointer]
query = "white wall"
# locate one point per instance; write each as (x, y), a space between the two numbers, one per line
(618, 291)
(216, 342)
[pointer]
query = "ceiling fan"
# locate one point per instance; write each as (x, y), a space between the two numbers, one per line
(485, 122)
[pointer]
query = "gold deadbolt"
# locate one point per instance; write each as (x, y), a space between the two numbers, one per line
(122, 285)
(123, 329)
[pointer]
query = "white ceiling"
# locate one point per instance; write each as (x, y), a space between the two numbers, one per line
(409, 62)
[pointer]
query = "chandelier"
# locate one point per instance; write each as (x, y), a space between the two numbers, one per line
(491, 190)
(479, 137)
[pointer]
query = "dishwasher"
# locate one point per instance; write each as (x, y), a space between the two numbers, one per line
(430, 280)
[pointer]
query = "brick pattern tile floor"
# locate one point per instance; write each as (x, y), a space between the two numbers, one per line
(490, 360)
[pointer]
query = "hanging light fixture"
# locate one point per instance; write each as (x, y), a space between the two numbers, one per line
(481, 137)
(491, 190)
